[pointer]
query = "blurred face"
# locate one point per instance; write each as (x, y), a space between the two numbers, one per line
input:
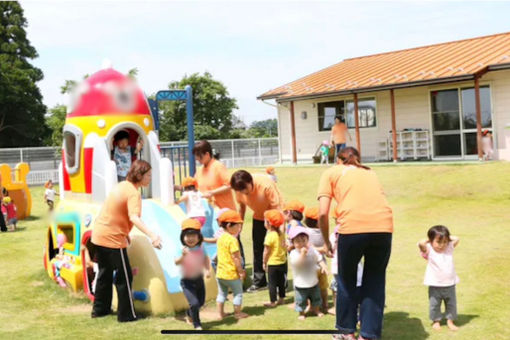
(123, 143)
(337, 121)
(287, 215)
(50, 185)
(247, 190)
(439, 245)
(204, 159)
(300, 241)
(191, 239)
(146, 179)
(267, 224)
(234, 229)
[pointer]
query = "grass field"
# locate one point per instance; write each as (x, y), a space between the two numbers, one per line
(473, 200)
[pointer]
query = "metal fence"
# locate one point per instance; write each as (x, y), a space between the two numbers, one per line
(234, 153)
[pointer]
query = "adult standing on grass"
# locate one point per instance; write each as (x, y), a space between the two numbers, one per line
(110, 236)
(365, 230)
(338, 134)
(212, 177)
(259, 193)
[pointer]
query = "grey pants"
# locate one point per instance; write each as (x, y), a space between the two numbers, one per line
(436, 296)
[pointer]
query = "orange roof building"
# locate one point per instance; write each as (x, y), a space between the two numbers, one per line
(424, 102)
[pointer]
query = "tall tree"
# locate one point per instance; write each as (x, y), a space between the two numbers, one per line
(21, 108)
(263, 128)
(212, 109)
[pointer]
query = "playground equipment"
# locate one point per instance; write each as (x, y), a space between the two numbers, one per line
(18, 189)
(104, 104)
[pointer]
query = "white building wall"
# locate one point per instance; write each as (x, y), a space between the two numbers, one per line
(412, 107)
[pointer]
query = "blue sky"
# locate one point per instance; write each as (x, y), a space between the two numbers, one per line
(250, 46)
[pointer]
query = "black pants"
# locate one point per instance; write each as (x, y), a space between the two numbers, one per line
(108, 260)
(277, 276)
(3, 227)
(241, 249)
(258, 233)
(194, 290)
(376, 249)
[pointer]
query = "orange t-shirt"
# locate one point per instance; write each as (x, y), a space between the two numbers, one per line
(212, 177)
(265, 196)
(361, 203)
(338, 131)
(112, 226)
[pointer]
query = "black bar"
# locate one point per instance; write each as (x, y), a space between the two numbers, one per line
(251, 331)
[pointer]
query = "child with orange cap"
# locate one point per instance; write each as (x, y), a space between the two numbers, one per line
(193, 198)
(293, 212)
(275, 256)
(230, 272)
(317, 241)
(304, 260)
(193, 262)
(271, 173)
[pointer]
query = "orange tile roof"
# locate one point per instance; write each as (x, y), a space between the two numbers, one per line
(445, 62)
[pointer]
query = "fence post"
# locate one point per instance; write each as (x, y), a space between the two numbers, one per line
(21, 155)
(260, 153)
(233, 161)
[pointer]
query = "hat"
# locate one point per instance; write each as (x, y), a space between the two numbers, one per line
(189, 181)
(274, 217)
(7, 200)
(484, 132)
(297, 230)
(191, 223)
(269, 169)
(221, 211)
(294, 205)
(325, 142)
(312, 213)
(231, 216)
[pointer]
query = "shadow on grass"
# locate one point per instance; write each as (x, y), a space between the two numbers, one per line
(32, 218)
(230, 320)
(398, 325)
(463, 319)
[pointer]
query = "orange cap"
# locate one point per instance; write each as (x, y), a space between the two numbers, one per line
(312, 213)
(231, 216)
(269, 169)
(189, 181)
(274, 217)
(294, 205)
(191, 223)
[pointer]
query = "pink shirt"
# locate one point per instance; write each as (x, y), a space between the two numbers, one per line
(440, 270)
(192, 264)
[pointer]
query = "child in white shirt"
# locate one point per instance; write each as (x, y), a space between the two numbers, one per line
(49, 194)
(193, 198)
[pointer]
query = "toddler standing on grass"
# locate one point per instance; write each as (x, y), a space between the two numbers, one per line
(293, 213)
(440, 274)
(275, 256)
(49, 194)
(193, 262)
(230, 273)
(304, 260)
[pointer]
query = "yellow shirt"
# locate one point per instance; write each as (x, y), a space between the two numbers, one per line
(227, 245)
(276, 244)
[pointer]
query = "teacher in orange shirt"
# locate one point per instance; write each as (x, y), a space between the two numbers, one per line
(260, 193)
(121, 210)
(365, 227)
(212, 177)
(338, 134)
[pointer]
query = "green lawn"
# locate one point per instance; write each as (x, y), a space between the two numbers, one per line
(471, 199)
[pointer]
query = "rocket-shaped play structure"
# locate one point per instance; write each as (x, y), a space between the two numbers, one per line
(104, 104)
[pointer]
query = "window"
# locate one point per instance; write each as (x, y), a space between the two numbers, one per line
(72, 146)
(366, 113)
(454, 120)
(328, 112)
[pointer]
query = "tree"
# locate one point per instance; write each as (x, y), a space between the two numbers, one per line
(21, 108)
(263, 128)
(212, 109)
(55, 122)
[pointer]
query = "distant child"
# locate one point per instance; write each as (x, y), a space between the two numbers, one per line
(487, 146)
(440, 274)
(317, 241)
(9, 211)
(271, 173)
(324, 152)
(230, 273)
(193, 198)
(49, 194)
(193, 262)
(275, 256)
(123, 153)
(293, 212)
(304, 260)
